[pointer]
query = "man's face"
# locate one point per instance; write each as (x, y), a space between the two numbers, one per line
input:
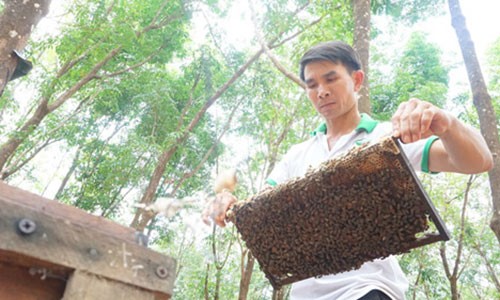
(331, 89)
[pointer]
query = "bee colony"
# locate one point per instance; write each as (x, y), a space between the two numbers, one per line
(364, 205)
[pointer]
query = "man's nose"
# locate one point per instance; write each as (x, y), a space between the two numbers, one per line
(323, 93)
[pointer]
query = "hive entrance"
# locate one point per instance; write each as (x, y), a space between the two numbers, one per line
(364, 205)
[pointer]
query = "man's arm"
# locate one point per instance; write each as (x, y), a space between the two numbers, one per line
(217, 208)
(460, 148)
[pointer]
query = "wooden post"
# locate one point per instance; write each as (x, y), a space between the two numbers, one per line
(63, 252)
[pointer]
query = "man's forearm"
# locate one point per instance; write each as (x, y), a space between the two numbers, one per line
(461, 149)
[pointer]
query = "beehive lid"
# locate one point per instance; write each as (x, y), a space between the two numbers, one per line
(364, 205)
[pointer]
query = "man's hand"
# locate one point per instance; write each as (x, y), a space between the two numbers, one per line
(417, 119)
(217, 208)
(460, 148)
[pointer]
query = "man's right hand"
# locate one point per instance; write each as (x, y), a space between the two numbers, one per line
(217, 208)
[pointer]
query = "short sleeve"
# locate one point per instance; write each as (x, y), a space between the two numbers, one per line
(279, 174)
(418, 153)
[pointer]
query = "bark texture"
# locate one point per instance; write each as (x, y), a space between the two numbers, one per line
(17, 20)
(362, 17)
(482, 102)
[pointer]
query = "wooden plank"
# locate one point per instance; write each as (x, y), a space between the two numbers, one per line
(70, 213)
(29, 283)
(31, 262)
(61, 241)
(85, 286)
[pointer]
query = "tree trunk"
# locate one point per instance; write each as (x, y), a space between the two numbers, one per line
(278, 294)
(68, 175)
(362, 16)
(483, 104)
(205, 283)
(452, 278)
(454, 274)
(246, 276)
(454, 289)
(19, 17)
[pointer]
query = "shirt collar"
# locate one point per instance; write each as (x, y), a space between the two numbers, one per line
(366, 124)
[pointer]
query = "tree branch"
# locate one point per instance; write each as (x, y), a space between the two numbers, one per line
(154, 24)
(132, 67)
(90, 75)
(462, 227)
(272, 45)
(11, 168)
(18, 164)
(210, 30)
(71, 63)
(210, 151)
(487, 263)
(68, 174)
(140, 221)
(268, 52)
(189, 103)
(442, 252)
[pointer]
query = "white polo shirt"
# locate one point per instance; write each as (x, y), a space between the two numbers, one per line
(385, 274)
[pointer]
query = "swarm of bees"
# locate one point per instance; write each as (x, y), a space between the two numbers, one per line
(364, 205)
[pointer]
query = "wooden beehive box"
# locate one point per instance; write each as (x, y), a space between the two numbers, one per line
(364, 205)
(49, 250)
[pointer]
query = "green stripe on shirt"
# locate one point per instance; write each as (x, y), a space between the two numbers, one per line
(425, 156)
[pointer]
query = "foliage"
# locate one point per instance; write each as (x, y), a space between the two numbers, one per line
(419, 73)
(407, 11)
(424, 266)
(494, 71)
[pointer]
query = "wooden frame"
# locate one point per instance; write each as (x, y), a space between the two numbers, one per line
(364, 205)
(79, 254)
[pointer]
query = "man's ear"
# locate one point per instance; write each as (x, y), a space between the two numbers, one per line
(358, 77)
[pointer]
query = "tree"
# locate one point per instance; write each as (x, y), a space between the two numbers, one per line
(362, 26)
(418, 73)
(362, 10)
(17, 20)
(454, 272)
(107, 57)
(452, 269)
(482, 101)
(141, 219)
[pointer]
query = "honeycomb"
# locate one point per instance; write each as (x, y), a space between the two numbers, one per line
(364, 205)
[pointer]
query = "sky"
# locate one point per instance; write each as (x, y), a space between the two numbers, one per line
(483, 23)
(482, 20)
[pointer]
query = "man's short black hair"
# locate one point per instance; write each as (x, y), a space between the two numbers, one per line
(336, 52)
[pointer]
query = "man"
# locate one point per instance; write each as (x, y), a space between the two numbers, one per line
(434, 141)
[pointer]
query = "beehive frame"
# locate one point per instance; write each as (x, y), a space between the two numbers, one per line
(364, 205)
